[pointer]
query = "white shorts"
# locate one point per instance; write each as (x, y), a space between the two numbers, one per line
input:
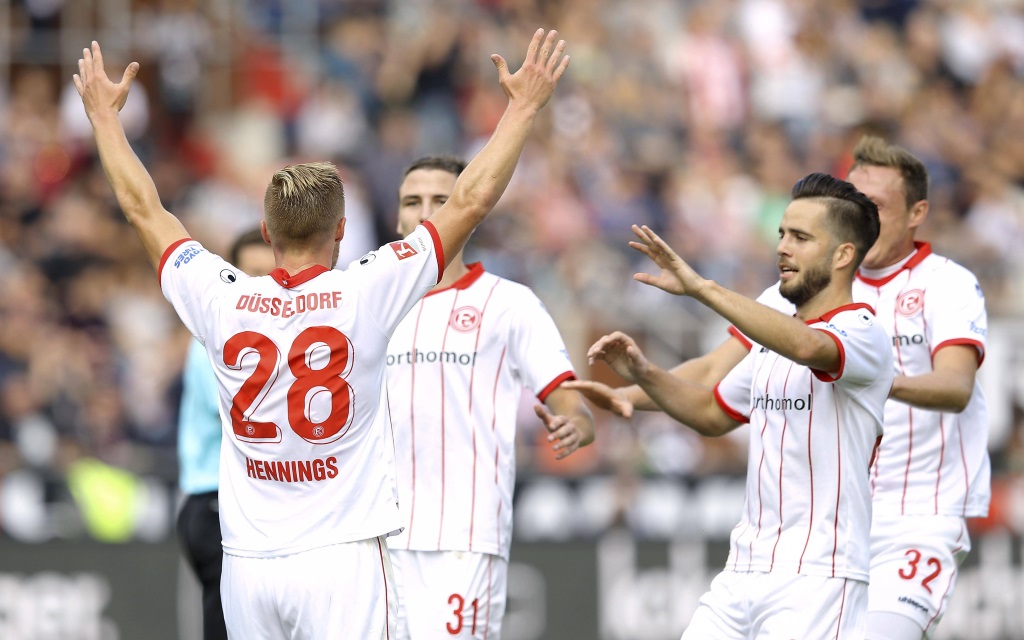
(743, 606)
(914, 565)
(342, 591)
(449, 594)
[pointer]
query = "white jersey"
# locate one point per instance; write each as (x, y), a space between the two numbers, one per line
(807, 508)
(307, 459)
(929, 462)
(456, 368)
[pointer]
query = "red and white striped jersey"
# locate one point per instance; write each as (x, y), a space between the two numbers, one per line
(929, 462)
(457, 366)
(812, 433)
(307, 459)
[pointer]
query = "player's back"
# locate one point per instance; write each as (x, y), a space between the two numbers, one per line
(300, 365)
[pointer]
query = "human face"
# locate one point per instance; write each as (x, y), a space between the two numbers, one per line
(421, 193)
(805, 252)
(256, 259)
(884, 187)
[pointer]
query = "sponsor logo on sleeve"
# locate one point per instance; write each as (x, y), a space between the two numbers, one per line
(464, 319)
(910, 303)
(403, 249)
(228, 276)
(981, 331)
(835, 329)
(186, 255)
(865, 320)
(368, 258)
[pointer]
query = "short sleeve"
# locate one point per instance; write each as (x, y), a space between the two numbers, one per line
(395, 276)
(190, 277)
(955, 312)
(536, 349)
(733, 393)
(865, 352)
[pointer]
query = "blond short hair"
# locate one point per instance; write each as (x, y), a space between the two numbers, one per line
(875, 152)
(303, 203)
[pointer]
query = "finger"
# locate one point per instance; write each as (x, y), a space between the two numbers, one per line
(545, 49)
(644, 249)
(98, 55)
(542, 413)
(552, 61)
(87, 57)
(81, 70)
(502, 67)
(564, 437)
(647, 278)
(531, 51)
(661, 244)
(561, 68)
(78, 83)
(129, 74)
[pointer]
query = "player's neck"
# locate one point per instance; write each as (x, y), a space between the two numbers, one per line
(452, 273)
(296, 262)
(829, 298)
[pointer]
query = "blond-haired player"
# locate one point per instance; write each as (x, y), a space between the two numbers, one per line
(457, 365)
(307, 490)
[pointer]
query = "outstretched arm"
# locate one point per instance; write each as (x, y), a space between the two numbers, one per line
(706, 370)
(762, 324)
(132, 184)
(692, 404)
(486, 176)
(571, 424)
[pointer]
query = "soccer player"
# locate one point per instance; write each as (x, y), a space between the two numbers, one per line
(307, 489)
(932, 468)
(199, 435)
(813, 388)
(457, 365)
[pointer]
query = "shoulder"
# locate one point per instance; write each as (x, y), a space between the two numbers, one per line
(944, 270)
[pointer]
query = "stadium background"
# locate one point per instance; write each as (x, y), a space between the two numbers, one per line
(694, 117)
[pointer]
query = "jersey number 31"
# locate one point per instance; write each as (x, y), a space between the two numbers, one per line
(309, 383)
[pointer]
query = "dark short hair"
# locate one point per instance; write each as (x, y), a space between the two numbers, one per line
(873, 151)
(852, 217)
(249, 238)
(452, 164)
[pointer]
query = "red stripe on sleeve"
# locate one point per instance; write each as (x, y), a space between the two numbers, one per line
(825, 376)
(966, 342)
(438, 248)
(167, 254)
(729, 411)
(736, 333)
(546, 391)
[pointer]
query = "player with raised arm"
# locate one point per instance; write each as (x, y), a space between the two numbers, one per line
(307, 486)
(813, 390)
(932, 468)
(457, 365)
(199, 437)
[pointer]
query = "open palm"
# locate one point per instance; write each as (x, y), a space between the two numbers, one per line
(676, 276)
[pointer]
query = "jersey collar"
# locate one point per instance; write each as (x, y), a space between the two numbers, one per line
(475, 271)
(923, 251)
(827, 316)
(288, 282)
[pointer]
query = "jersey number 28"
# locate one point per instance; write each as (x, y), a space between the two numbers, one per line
(309, 383)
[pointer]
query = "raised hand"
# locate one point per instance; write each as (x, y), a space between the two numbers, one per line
(622, 354)
(603, 396)
(562, 431)
(535, 81)
(97, 90)
(676, 276)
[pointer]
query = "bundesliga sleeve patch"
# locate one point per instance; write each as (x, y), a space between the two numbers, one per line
(403, 249)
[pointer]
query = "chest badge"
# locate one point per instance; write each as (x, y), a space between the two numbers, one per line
(465, 319)
(910, 303)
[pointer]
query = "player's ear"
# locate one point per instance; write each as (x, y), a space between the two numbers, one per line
(844, 255)
(264, 232)
(917, 214)
(339, 233)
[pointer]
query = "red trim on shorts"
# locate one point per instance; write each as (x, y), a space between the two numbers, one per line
(438, 247)
(744, 340)
(967, 342)
(923, 251)
(825, 376)
(729, 411)
(387, 607)
(167, 254)
(551, 386)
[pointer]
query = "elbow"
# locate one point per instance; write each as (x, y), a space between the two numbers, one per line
(959, 401)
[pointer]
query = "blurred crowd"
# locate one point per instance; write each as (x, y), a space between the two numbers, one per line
(692, 116)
